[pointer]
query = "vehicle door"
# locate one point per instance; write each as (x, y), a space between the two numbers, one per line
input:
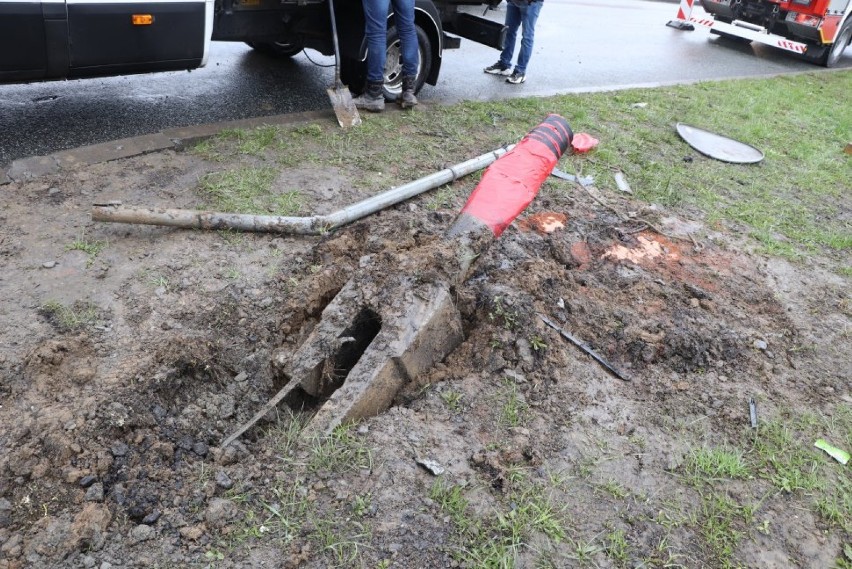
(23, 40)
(108, 37)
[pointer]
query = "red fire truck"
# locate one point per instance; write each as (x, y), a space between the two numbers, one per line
(819, 30)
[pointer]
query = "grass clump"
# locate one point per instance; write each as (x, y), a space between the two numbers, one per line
(341, 451)
(73, 317)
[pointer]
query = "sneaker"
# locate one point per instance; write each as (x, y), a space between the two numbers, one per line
(498, 69)
(516, 78)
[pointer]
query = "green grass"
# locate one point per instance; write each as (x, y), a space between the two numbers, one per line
(710, 464)
(73, 317)
(89, 247)
(341, 451)
(248, 190)
(497, 539)
(793, 203)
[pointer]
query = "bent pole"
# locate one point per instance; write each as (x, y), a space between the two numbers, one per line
(314, 225)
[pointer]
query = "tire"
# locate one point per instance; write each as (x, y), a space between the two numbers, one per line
(280, 49)
(843, 39)
(393, 62)
(354, 72)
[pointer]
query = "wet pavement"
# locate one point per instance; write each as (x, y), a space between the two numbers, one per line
(581, 45)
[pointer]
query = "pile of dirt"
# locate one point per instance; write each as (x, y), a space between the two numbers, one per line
(129, 353)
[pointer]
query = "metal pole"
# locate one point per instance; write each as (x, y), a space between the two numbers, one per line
(314, 225)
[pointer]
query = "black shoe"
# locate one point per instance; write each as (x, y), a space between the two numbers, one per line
(373, 98)
(406, 99)
(516, 78)
(498, 69)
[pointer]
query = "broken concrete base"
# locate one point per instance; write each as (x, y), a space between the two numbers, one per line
(408, 344)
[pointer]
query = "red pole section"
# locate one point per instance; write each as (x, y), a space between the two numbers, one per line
(509, 185)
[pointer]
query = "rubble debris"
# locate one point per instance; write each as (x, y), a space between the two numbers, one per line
(837, 454)
(582, 180)
(431, 465)
(583, 142)
(621, 182)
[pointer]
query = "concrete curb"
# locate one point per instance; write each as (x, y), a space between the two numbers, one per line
(172, 139)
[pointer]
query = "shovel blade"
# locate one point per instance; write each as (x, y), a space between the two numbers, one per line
(344, 106)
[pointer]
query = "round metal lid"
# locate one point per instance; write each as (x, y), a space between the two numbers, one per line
(717, 146)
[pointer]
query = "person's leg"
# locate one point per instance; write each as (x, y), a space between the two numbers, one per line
(376, 32)
(513, 22)
(529, 15)
(404, 17)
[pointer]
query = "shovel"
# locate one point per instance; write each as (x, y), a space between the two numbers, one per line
(341, 98)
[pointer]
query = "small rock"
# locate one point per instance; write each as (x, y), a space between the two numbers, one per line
(119, 449)
(515, 376)
(95, 493)
(223, 480)
(363, 429)
(88, 480)
(52, 191)
(192, 533)
(152, 518)
(200, 449)
(106, 565)
(142, 533)
(49, 264)
(89, 562)
(760, 344)
(5, 512)
(220, 512)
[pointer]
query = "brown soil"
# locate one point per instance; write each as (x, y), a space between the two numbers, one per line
(110, 425)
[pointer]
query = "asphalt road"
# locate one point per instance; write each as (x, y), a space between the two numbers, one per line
(581, 45)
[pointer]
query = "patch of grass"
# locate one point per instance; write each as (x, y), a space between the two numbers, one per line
(284, 434)
(537, 343)
(712, 464)
(451, 399)
(720, 525)
(90, 248)
(496, 540)
(78, 315)
(614, 489)
(616, 547)
(514, 410)
(341, 451)
(244, 190)
(282, 517)
(342, 540)
(783, 461)
(502, 314)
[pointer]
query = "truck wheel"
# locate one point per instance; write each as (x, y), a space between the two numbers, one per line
(393, 62)
(843, 38)
(276, 48)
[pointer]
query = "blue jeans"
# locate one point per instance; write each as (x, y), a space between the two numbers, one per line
(376, 32)
(517, 16)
